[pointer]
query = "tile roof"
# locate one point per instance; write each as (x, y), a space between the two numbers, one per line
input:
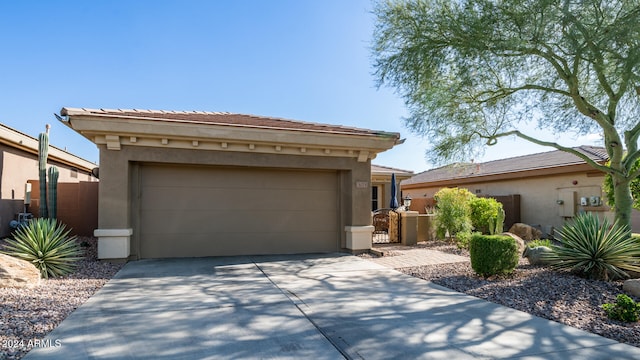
(379, 169)
(545, 160)
(20, 140)
(226, 118)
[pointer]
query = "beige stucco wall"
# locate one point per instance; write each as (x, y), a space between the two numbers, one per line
(119, 179)
(17, 168)
(383, 182)
(539, 195)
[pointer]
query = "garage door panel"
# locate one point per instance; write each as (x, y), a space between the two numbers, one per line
(201, 177)
(220, 198)
(211, 211)
(228, 222)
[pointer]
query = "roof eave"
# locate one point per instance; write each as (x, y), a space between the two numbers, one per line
(116, 131)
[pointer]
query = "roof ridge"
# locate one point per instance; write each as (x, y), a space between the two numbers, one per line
(392, 168)
(187, 112)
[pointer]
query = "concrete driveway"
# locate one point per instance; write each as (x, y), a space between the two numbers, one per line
(302, 306)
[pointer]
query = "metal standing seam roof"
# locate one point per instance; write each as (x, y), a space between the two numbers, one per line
(545, 160)
(228, 119)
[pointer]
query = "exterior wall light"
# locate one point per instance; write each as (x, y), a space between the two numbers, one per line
(406, 201)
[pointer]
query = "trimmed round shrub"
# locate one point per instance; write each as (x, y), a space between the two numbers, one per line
(493, 254)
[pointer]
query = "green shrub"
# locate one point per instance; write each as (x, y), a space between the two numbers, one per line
(484, 214)
(624, 309)
(596, 249)
(46, 244)
(463, 239)
(453, 213)
(493, 254)
(540, 242)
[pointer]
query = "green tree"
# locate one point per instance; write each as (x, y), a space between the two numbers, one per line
(472, 72)
(484, 212)
(453, 211)
(634, 186)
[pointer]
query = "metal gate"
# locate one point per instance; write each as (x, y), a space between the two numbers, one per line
(387, 224)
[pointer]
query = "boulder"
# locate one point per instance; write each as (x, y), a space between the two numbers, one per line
(519, 241)
(17, 273)
(535, 255)
(525, 232)
(632, 287)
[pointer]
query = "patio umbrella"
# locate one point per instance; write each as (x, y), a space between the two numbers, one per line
(394, 198)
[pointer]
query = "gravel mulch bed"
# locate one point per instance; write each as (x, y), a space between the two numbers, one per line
(555, 295)
(27, 315)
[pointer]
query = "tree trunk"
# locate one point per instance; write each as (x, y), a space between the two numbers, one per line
(623, 200)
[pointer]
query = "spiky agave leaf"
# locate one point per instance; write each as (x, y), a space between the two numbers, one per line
(597, 249)
(47, 244)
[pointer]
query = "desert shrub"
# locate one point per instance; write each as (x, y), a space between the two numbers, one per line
(493, 254)
(540, 242)
(484, 213)
(596, 249)
(47, 245)
(453, 213)
(463, 238)
(624, 309)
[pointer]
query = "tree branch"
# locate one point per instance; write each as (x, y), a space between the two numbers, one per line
(504, 92)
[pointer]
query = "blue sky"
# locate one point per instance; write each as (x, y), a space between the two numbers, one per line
(298, 59)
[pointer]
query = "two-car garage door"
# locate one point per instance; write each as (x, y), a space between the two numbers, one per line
(191, 211)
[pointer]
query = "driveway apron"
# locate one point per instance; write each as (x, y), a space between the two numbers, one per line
(328, 306)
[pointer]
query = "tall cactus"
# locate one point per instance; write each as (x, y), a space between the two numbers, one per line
(43, 151)
(500, 221)
(53, 192)
(496, 224)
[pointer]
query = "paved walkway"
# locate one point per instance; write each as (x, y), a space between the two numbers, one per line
(302, 307)
(398, 256)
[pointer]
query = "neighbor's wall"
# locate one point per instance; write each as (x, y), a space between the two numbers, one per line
(119, 180)
(539, 195)
(18, 167)
(77, 205)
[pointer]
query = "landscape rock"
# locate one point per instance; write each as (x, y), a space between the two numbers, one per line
(632, 287)
(17, 273)
(535, 255)
(519, 241)
(525, 232)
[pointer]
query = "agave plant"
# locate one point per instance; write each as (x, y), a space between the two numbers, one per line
(596, 249)
(47, 244)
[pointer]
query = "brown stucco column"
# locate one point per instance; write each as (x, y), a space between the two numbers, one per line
(409, 227)
(359, 230)
(114, 229)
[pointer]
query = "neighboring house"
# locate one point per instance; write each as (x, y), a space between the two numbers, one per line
(381, 185)
(19, 165)
(190, 184)
(551, 186)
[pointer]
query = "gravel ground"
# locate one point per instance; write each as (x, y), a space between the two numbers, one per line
(27, 315)
(554, 295)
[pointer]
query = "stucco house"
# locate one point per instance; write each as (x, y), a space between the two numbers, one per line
(19, 166)
(190, 184)
(551, 186)
(381, 185)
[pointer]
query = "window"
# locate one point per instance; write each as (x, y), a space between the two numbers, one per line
(374, 198)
